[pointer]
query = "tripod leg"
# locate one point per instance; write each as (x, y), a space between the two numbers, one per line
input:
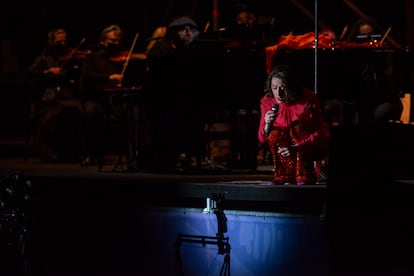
(225, 268)
(178, 263)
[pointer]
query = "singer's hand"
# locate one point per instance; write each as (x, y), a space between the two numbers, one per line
(269, 117)
(286, 151)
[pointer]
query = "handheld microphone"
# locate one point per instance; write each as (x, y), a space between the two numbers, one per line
(268, 127)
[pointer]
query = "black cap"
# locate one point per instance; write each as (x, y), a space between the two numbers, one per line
(182, 22)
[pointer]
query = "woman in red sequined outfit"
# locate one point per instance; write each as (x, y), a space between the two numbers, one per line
(292, 124)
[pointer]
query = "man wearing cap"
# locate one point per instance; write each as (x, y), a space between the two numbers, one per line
(174, 108)
(181, 33)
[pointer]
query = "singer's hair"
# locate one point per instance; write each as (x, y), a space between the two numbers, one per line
(293, 84)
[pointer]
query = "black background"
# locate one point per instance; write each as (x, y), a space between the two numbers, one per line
(27, 24)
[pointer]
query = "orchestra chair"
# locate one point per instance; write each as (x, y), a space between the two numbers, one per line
(122, 130)
(64, 144)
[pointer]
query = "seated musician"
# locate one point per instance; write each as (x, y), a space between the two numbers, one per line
(381, 84)
(242, 31)
(170, 88)
(368, 30)
(58, 81)
(100, 71)
(364, 30)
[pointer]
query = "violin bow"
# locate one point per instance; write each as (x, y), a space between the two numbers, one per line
(344, 30)
(206, 26)
(385, 35)
(74, 50)
(130, 53)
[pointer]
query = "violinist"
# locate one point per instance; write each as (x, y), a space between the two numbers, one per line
(57, 80)
(101, 71)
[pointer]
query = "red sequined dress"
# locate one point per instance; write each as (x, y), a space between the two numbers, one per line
(300, 124)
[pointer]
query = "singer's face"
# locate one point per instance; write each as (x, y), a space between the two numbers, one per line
(278, 90)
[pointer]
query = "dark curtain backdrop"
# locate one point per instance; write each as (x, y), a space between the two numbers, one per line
(27, 24)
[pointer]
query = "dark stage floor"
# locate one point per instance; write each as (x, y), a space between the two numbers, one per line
(77, 208)
(245, 189)
(83, 220)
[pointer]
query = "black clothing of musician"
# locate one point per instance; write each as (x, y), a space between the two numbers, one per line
(175, 113)
(99, 73)
(381, 86)
(56, 112)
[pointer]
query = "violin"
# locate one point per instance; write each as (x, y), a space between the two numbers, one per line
(73, 53)
(124, 55)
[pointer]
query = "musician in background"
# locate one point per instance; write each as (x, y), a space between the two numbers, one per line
(53, 69)
(102, 81)
(101, 70)
(242, 31)
(181, 33)
(171, 86)
(158, 34)
(58, 80)
(292, 124)
(245, 17)
(365, 29)
(381, 86)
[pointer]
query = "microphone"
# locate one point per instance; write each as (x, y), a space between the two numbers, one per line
(268, 127)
